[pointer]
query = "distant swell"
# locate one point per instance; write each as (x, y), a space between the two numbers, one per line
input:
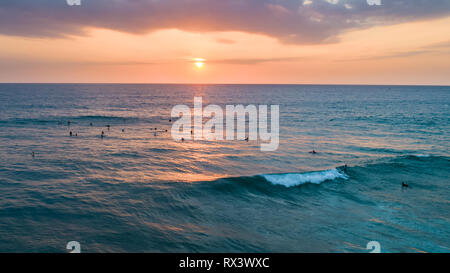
(100, 118)
(80, 120)
(296, 179)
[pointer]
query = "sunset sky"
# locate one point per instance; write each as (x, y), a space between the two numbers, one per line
(226, 41)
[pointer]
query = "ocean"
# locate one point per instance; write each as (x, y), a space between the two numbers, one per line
(137, 191)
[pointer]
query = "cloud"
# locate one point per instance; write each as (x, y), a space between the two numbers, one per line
(393, 55)
(225, 41)
(440, 45)
(290, 21)
(249, 61)
(441, 48)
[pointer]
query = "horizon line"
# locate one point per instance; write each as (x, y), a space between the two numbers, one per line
(150, 83)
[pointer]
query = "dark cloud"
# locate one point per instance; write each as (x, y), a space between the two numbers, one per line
(287, 20)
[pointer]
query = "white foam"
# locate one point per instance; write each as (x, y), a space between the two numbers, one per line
(421, 155)
(295, 179)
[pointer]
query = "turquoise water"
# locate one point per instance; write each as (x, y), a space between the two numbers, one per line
(133, 191)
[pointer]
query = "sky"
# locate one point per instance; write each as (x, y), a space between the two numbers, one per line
(226, 41)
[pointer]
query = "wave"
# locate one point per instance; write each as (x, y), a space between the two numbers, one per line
(420, 155)
(63, 120)
(99, 117)
(296, 179)
(397, 168)
(84, 119)
(21, 121)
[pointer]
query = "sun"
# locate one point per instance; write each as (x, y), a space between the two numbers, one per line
(199, 62)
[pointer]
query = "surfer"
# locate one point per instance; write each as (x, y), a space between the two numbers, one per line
(313, 152)
(108, 126)
(102, 135)
(246, 139)
(182, 139)
(32, 154)
(70, 133)
(404, 185)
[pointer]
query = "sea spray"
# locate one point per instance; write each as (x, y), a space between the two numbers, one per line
(296, 179)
